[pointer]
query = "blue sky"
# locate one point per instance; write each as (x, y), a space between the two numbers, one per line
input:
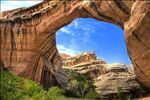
(88, 34)
(12, 4)
(85, 35)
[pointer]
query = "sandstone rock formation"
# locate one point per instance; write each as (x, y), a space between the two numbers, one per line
(85, 63)
(81, 58)
(107, 78)
(137, 35)
(116, 77)
(64, 56)
(28, 35)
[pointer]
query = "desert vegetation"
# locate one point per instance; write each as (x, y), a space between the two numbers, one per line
(16, 88)
(79, 88)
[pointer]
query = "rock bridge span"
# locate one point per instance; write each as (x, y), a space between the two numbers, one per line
(28, 45)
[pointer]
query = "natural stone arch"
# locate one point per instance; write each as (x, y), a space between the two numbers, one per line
(28, 46)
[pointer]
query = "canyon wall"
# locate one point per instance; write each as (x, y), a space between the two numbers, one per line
(28, 46)
(81, 58)
(106, 78)
(85, 63)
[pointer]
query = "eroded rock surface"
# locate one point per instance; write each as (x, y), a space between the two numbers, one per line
(117, 79)
(108, 79)
(28, 35)
(85, 63)
(137, 35)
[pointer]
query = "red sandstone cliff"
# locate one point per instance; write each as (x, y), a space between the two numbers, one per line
(28, 46)
(85, 63)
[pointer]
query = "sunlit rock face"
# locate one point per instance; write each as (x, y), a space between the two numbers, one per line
(137, 35)
(81, 58)
(85, 63)
(107, 78)
(117, 77)
(28, 46)
(64, 56)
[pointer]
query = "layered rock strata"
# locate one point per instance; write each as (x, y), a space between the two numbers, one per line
(108, 79)
(28, 35)
(85, 63)
(117, 79)
(81, 58)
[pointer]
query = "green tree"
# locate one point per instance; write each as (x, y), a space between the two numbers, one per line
(80, 86)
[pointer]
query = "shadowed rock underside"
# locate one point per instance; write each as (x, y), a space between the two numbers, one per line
(28, 46)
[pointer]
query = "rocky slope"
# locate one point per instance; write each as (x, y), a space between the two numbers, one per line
(108, 78)
(28, 46)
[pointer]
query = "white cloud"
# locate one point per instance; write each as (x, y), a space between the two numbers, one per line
(9, 5)
(88, 30)
(66, 31)
(63, 49)
(75, 24)
(75, 44)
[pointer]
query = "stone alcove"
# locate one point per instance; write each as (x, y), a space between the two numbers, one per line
(28, 46)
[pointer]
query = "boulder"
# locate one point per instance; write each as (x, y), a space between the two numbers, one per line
(117, 79)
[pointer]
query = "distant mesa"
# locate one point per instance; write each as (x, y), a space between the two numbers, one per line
(64, 56)
(82, 58)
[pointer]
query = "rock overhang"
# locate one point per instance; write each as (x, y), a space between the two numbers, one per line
(42, 21)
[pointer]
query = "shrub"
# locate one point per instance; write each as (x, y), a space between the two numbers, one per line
(11, 86)
(16, 88)
(79, 86)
